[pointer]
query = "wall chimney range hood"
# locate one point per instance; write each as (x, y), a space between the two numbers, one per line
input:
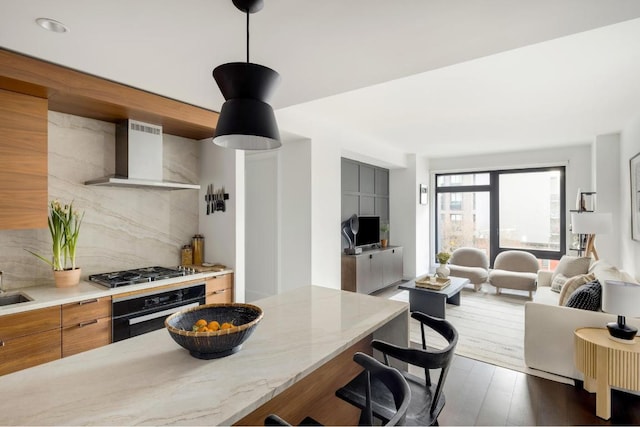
(139, 159)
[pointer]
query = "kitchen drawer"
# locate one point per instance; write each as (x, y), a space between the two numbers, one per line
(219, 289)
(220, 296)
(29, 322)
(83, 311)
(217, 283)
(86, 336)
(30, 350)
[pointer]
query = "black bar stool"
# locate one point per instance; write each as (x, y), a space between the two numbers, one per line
(427, 399)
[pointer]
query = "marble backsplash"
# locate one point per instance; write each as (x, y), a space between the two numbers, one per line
(123, 227)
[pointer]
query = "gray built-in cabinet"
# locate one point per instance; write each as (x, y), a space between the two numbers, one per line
(372, 269)
(365, 190)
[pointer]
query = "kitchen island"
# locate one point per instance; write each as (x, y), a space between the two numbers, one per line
(150, 380)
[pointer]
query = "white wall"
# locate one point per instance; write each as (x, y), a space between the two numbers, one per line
(606, 156)
(629, 249)
(262, 225)
(409, 226)
(224, 231)
(325, 213)
(278, 221)
(295, 212)
(577, 160)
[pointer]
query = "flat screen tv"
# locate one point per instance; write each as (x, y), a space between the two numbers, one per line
(369, 231)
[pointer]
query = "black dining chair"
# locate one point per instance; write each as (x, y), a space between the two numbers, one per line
(427, 398)
(383, 376)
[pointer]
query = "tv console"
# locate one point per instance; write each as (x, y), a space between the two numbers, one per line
(372, 270)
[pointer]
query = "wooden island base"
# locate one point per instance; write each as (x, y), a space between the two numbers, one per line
(314, 395)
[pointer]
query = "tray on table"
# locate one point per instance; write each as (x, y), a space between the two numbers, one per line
(429, 282)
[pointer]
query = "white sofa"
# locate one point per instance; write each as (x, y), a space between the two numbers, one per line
(549, 328)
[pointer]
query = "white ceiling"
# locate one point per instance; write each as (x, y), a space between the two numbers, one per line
(436, 77)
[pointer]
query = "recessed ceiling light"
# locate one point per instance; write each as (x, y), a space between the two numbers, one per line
(52, 25)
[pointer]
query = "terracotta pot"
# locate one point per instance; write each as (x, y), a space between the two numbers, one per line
(383, 243)
(67, 278)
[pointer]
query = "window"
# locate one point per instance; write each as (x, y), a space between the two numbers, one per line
(530, 219)
(455, 204)
(501, 210)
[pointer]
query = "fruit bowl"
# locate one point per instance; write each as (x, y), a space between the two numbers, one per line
(214, 344)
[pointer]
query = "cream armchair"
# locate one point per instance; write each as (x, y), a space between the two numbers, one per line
(515, 270)
(470, 263)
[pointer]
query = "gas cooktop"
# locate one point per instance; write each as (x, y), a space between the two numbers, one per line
(138, 275)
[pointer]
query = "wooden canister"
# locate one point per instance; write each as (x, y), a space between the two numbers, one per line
(198, 249)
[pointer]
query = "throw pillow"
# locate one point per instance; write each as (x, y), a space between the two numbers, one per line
(558, 281)
(586, 297)
(570, 266)
(572, 284)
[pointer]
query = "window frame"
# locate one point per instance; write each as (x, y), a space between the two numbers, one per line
(494, 208)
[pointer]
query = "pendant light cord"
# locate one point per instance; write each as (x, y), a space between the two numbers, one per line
(247, 36)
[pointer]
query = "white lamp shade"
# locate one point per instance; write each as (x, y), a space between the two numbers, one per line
(621, 298)
(591, 223)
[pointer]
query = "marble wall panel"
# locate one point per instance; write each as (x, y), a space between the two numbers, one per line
(123, 227)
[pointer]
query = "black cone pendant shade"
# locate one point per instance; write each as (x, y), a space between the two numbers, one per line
(247, 121)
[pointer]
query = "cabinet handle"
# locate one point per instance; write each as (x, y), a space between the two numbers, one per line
(1, 343)
(90, 322)
(393, 251)
(89, 301)
(370, 256)
(221, 291)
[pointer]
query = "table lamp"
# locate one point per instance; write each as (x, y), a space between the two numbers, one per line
(623, 299)
(591, 223)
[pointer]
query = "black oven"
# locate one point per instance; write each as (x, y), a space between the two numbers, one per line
(138, 314)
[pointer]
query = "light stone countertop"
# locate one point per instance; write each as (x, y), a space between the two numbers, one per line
(48, 295)
(150, 380)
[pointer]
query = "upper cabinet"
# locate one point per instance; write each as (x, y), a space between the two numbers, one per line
(73, 92)
(23, 161)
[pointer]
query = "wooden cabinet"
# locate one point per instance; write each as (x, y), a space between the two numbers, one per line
(29, 339)
(23, 161)
(86, 325)
(219, 289)
(73, 92)
(372, 270)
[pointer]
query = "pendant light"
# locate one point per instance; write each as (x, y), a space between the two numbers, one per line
(247, 121)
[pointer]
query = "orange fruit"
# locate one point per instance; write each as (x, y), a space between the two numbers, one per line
(226, 325)
(201, 322)
(213, 325)
(203, 329)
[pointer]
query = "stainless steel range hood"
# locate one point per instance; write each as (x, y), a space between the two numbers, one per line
(139, 159)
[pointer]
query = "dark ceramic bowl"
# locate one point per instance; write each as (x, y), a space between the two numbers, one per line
(214, 344)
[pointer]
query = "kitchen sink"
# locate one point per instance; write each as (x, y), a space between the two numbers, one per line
(17, 298)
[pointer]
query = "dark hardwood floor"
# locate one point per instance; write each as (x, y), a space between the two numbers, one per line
(478, 393)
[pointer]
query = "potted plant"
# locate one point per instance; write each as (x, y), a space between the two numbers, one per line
(64, 226)
(443, 258)
(384, 228)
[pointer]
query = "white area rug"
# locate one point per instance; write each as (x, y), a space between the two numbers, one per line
(490, 328)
